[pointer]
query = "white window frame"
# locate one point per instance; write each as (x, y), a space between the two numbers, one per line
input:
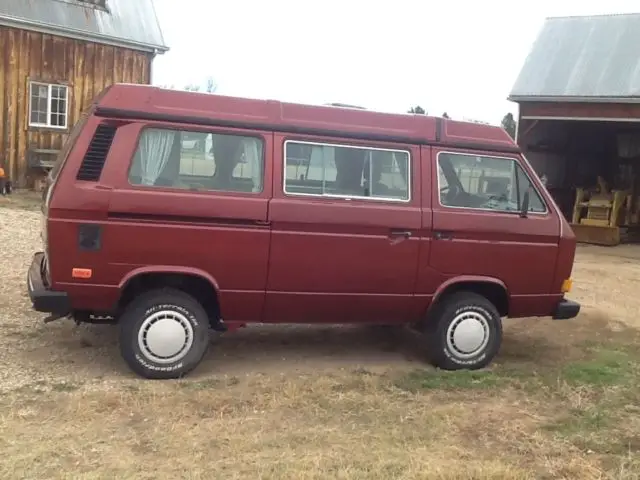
(49, 90)
(348, 197)
(491, 210)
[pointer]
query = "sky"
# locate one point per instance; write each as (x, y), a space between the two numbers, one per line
(455, 56)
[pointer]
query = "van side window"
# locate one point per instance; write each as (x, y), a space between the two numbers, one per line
(198, 161)
(487, 183)
(346, 171)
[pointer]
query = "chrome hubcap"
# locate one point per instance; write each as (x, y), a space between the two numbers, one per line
(165, 336)
(468, 334)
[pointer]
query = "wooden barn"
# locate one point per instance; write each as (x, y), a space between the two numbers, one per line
(579, 121)
(56, 56)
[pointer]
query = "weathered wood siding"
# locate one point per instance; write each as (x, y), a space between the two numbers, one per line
(87, 68)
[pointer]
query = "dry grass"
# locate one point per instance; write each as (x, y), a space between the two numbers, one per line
(307, 403)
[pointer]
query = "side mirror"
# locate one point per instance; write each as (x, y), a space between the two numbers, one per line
(524, 209)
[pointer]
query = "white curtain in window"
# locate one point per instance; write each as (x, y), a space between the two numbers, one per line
(155, 148)
(253, 158)
(322, 164)
(315, 169)
(401, 162)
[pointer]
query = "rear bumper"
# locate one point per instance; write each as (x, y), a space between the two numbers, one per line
(566, 309)
(43, 299)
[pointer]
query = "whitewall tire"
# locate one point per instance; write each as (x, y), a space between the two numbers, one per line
(164, 334)
(464, 332)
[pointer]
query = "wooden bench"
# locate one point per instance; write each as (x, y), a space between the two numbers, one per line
(42, 158)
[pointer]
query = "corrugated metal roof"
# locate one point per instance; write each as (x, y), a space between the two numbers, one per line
(583, 58)
(127, 23)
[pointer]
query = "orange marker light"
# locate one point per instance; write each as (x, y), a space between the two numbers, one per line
(83, 273)
(566, 285)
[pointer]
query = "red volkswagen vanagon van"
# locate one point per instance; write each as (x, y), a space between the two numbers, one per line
(168, 211)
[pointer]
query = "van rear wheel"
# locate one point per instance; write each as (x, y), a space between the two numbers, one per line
(464, 333)
(164, 334)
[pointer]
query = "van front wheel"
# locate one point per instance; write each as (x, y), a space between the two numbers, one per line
(163, 334)
(464, 332)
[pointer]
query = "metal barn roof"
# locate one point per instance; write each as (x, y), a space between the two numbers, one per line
(595, 58)
(125, 23)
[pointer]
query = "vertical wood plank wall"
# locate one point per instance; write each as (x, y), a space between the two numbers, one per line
(87, 68)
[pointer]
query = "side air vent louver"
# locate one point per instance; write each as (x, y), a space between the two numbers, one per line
(96, 155)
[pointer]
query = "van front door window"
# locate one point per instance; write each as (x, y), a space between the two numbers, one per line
(487, 183)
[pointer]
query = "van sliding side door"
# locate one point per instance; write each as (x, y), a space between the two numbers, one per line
(342, 260)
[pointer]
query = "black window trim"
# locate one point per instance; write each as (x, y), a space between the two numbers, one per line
(348, 197)
(515, 160)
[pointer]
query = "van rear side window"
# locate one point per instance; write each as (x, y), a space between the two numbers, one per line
(198, 161)
(346, 171)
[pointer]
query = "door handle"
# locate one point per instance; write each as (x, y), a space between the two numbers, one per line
(443, 235)
(401, 233)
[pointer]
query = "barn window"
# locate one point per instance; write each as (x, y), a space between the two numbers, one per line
(48, 105)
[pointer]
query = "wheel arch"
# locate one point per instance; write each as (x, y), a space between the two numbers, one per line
(493, 289)
(193, 281)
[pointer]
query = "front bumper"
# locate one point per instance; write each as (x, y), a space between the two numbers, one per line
(43, 299)
(566, 309)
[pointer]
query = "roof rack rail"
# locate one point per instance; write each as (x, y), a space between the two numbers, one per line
(344, 105)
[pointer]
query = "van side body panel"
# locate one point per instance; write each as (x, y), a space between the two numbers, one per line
(223, 235)
(74, 204)
(336, 260)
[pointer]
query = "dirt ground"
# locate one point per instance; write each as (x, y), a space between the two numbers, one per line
(560, 401)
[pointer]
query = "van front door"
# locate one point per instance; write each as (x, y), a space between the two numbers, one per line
(478, 230)
(345, 222)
